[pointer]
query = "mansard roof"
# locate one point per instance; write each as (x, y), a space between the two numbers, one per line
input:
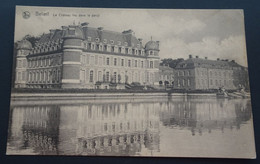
(206, 63)
(165, 68)
(91, 34)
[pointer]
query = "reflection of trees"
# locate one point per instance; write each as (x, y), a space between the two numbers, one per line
(198, 115)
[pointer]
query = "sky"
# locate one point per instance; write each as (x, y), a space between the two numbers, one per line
(204, 33)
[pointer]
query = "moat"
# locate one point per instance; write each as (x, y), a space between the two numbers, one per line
(148, 126)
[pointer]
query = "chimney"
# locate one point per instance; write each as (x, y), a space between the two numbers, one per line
(190, 56)
(197, 57)
(140, 40)
(128, 32)
(85, 24)
(217, 59)
(206, 58)
(64, 27)
(100, 28)
(233, 61)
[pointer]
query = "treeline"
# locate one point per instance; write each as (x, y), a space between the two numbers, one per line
(171, 62)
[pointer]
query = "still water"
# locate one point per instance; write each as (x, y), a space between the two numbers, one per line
(160, 126)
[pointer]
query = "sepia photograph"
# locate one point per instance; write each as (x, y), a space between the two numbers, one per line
(130, 82)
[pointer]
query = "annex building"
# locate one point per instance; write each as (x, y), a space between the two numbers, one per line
(202, 74)
(79, 56)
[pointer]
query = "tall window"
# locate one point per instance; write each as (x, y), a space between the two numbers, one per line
(135, 63)
(91, 76)
(142, 64)
(107, 76)
(115, 77)
(99, 76)
(115, 61)
(92, 60)
(122, 62)
(107, 61)
(151, 64)
(129, 63)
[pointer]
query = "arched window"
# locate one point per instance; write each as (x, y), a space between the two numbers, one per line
(91, 76)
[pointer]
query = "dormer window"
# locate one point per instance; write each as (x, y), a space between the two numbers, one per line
(105, 41)
(133, 51)
(151, 52)
(100, 47)
(111, 41)
(112, 49)
(129, 51)
(89, 39)
(105, 47)
(92, 47)
(97, 39)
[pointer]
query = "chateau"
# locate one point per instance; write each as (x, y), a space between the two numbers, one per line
(79, 56)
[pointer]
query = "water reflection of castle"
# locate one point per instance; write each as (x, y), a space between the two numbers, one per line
(35, 127)
(128, 128)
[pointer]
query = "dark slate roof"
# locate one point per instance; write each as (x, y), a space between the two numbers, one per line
(152, 45)
(94, 33)
(165, 68)
(56, 35)
(205, 63)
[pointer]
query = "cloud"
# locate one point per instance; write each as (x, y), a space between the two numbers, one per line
(232, 48)
(146, 25)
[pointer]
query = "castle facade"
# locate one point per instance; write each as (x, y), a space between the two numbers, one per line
(79, 56)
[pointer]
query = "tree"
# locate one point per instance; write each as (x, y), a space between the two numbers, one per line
(171, 62)
(32, 39)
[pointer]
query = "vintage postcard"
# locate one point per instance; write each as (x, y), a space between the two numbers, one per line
(130, 82)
